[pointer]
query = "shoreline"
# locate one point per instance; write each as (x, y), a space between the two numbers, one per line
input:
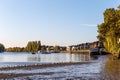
(34, 67)
(37, 66)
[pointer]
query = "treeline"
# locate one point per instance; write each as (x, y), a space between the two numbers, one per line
(109, 30)
(2, 48)
(15, 49)
(35, 46)
(32, 46)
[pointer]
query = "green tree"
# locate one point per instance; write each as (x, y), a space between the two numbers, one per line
(39, 45)
(28, 47)
(15, 49)
(109, 30)
(33, 46)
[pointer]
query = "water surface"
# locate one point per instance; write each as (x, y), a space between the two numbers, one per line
(43, 58)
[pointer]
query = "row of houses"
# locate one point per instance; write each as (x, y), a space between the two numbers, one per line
(82, 46)
(85, 46)
(53, 48)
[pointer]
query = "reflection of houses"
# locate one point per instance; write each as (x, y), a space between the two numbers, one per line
(85, 46)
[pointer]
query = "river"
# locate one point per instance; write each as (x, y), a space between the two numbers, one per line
(43, 58)
(14, 58)
(99, 67)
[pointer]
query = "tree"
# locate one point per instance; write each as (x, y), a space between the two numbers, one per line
(39, 45)
(2, 48)
(57, 48)
(109, 30)
(33, 46)
(15, 49)
(28, 47)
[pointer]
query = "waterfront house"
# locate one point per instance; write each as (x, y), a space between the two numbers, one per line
(85, 46)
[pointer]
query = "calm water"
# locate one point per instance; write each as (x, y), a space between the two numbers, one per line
(43, 58)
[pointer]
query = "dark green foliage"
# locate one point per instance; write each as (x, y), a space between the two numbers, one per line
(109, 30)
(2, 48)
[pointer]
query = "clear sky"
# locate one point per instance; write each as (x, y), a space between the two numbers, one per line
(54, 22)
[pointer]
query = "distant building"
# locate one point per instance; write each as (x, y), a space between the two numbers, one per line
(50, 48)
(63, 48)
(84, 46)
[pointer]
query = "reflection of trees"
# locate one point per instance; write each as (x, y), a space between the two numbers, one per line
(111, 70)
(34, 59)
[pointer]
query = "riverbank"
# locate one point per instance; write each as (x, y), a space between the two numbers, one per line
(45, 65)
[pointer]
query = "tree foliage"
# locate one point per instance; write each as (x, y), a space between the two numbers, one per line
(33, 46)
(109, 30)
(15, 49)
(57, 48)
(2, 48)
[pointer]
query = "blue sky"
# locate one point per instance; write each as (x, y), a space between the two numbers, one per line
(54, 22)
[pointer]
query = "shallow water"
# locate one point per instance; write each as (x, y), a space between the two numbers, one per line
(54, 57)
(13, 58)
(90, 71)
(100, 68)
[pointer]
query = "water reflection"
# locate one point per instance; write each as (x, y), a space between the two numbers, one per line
(77, 57)
(59, 57)
(94, 57)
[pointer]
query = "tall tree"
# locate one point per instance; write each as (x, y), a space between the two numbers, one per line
(39, 45)
(33, 46)
(109, 30)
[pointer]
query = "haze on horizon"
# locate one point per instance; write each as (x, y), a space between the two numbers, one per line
(53, 22)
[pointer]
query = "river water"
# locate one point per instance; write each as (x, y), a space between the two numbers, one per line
(90, 71)
(100, 67)
(43, 58)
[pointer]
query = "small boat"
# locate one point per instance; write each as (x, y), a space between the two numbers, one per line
(33, 53)
(94, 51)
(53, 51)
(98, 51)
